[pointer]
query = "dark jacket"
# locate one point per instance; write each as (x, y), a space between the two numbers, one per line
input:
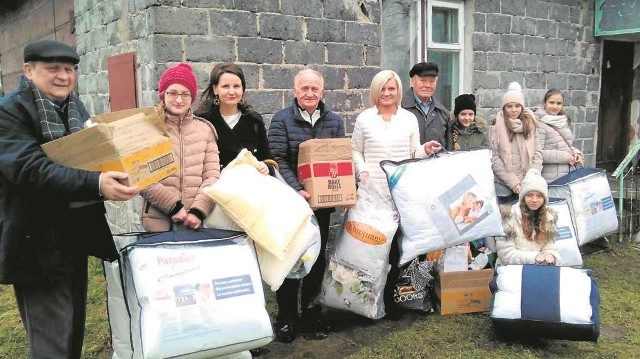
(288, 130)
(249, 133)
(40, 234)
(433, 126)
(473, 136)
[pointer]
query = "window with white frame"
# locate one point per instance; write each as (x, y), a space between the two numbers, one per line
(440, 34)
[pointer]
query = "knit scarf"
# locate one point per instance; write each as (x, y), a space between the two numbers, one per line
(51, 123)
(525, 146)
(557, 121)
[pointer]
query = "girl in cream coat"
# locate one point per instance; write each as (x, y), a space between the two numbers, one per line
(530, 226)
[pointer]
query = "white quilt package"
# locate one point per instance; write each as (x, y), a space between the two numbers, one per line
(546, 301)
(357, 269)
(589, 196)
(299, 257)
(444, 201)
(566, 241)
(268, 210)
(187, 294)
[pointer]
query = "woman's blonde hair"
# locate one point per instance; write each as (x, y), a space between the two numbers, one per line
(379, 80)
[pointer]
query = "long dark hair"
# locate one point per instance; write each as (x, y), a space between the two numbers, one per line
(208, 99)
(535, 225)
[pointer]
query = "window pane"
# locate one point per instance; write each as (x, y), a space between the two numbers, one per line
(444, 25)
(448, 75)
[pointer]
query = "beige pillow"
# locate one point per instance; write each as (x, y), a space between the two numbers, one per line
(268, 210)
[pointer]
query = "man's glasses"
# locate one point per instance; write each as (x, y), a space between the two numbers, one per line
(173, 95)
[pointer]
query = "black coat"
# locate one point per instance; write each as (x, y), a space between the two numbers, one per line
(288, 130)
(40, 234)
(249, 133)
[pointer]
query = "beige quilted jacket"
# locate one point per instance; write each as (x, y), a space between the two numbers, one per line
(196, 150)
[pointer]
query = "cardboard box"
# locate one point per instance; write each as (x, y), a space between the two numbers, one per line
(132, 141)
(325, 168)
(464, 291)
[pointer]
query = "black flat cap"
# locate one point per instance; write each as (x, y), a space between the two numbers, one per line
(50, 51)
(424, 69)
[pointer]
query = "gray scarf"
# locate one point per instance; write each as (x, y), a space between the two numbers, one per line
(51, 123)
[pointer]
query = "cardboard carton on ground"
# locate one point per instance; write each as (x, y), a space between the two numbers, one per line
(132, 141)
(464, 291)
(325, 168)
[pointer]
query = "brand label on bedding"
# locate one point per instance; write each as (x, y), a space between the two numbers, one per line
(365, 233)
(179, 259)
(232, 286)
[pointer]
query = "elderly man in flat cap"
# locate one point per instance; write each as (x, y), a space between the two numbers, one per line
(44, 243)
(432, 115)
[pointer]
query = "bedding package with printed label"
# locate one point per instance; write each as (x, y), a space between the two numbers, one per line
(444, 201)
(356, 273)
(545, 301)
(188, 294)
(566, 240)
(298, 259)
(589, 195)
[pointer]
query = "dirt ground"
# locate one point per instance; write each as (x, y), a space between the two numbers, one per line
(350, 334)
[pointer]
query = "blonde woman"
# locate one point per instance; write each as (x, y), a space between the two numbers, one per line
(386, 131)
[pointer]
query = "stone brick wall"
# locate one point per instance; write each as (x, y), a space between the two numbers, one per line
(542, 45)
(33, 19)
(270, 39)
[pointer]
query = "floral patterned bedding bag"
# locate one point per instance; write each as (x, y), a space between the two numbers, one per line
(357, 265)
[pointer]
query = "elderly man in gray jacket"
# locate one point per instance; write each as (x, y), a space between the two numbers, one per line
(433, 116)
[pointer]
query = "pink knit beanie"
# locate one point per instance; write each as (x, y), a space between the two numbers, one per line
(513, 94)
(178, 74)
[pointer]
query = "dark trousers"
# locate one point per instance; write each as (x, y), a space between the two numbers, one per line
(394, 272)
(53, 314)
(287, 294)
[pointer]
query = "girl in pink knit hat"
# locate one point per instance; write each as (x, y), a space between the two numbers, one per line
(178, 201)
(514, 144)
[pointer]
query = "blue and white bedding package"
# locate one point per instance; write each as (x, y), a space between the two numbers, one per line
(545, 301)
(566, 240)
(187, 294)
(589, 196)
(444, 201)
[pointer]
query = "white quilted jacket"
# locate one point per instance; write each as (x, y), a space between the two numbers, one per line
(375, 139)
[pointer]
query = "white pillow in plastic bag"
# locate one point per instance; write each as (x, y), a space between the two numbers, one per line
(192, 294)
(444, 201)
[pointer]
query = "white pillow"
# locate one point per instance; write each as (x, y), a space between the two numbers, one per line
(428, 193)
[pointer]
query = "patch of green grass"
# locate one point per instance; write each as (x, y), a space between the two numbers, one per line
(452, 336)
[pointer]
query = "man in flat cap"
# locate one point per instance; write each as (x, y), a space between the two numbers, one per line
(44, 242)
(432, 115)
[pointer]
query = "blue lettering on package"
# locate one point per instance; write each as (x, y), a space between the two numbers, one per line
(564, 232)
(233, 286)
(607, 203)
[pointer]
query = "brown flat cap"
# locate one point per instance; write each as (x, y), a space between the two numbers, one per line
(50, 51)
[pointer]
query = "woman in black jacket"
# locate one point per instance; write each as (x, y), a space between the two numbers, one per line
(237, 125)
